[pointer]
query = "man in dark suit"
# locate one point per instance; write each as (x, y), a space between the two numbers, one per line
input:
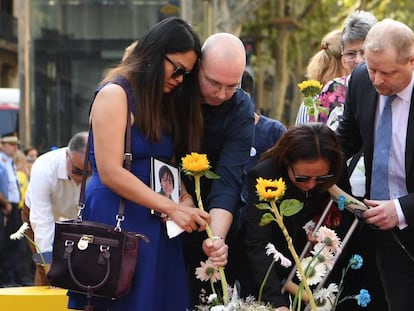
(389, 67)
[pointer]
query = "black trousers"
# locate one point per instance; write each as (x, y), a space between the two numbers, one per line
(396, 268)
(10, 259)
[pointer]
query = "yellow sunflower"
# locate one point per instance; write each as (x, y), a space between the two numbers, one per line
(195, 163)
(310, 87)
(269, 190)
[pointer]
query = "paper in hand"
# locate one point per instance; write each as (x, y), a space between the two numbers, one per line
(173, 229)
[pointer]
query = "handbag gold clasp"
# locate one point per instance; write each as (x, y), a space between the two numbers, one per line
(84, 241)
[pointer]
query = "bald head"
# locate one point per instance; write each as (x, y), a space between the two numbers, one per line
(390, 34)
(223, 60)
(224, 48)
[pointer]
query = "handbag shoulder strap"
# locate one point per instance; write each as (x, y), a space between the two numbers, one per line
(127, 153)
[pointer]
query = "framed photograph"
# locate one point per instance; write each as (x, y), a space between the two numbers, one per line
(165, 179)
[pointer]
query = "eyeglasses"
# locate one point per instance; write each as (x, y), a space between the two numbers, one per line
(318, 179)
(218, 86)
(76, 170)
(352, 55)
(178, 71)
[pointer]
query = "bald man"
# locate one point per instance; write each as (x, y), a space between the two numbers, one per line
(228, 136)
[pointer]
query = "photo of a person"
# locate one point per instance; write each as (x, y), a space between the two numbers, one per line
(166, 178)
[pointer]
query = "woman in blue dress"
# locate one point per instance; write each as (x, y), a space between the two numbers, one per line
(152, 79)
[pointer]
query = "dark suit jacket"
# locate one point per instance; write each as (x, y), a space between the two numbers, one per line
(357, 128)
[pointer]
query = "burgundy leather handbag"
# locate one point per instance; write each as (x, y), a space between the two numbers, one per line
(95, 258)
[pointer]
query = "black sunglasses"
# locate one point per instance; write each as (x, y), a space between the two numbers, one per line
(76, 170)
(178, 71)
(318, 179)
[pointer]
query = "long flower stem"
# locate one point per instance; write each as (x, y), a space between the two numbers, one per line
(211, 237)
(315, 110)
(36, 247)
(340, 288)
(265, 281)
(292, 250)
(213, 290)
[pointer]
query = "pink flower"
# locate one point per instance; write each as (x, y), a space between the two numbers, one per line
(329, 238)
(207, 271)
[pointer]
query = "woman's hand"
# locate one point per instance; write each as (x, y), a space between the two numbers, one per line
(189, 218)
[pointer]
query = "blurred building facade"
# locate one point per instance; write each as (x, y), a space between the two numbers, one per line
(64, 48)
(8, 45)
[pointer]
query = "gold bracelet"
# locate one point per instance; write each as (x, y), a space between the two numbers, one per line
(185, 196)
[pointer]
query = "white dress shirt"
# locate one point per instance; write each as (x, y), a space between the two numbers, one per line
(51, 196)
(396, 169)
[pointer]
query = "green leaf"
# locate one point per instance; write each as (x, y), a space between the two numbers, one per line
(266, 219)
(211, 175)
(263, 206)
(323, 110)
(308, 102)
(188, 173)
(290, 207)
(311, 111)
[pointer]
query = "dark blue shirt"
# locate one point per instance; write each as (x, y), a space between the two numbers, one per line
(227, 140)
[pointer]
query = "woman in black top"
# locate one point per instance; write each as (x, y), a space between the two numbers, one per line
(309, 160)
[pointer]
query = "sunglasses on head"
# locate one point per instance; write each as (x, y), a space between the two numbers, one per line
(318, 179)
(76, 170)
(178, 71)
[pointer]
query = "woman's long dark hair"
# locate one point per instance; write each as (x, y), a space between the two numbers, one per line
(157, 112)
(310, 141)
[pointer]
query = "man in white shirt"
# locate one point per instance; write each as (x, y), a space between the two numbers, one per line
(53, 193)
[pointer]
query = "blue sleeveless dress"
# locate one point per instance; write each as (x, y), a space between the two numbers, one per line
(160, 281)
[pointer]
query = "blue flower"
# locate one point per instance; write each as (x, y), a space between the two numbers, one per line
(341, 202)
(356, 262)
(364, 298)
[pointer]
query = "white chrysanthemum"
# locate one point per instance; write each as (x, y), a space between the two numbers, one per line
(324, 255)
(314, 272)
(211, 298)
(325, 293)
(309, 226)
(19, 234)
(329, 237)
(271, 250)
(325, 297)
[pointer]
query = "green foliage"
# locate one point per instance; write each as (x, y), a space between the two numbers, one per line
(267, 219)
(312, 20)
(263, 206)
(290, 207)
(211, 175)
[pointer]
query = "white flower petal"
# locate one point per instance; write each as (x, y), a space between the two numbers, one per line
(309, 226)
(317, 273)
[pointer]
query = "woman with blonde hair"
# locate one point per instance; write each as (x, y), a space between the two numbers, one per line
(324, 66)
(327, 63)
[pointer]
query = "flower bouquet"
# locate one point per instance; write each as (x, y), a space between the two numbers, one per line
(311, 90)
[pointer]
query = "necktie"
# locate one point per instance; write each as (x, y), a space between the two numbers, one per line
(379, 176)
